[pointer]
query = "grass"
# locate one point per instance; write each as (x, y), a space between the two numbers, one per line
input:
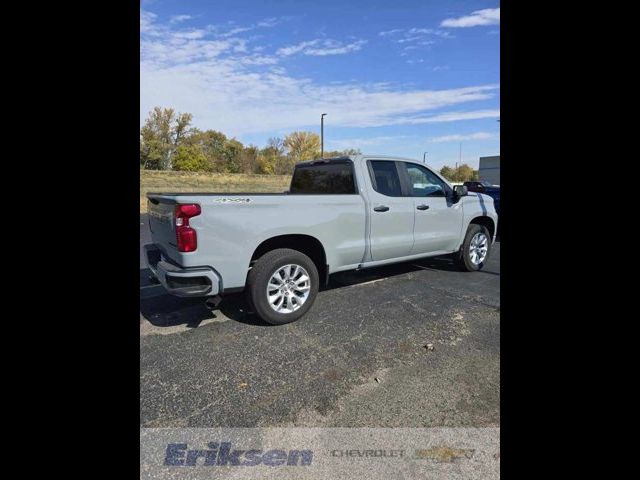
(160, 181)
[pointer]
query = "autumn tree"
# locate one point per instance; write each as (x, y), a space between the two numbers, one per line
(302, 146)
(272, 158)
(462, 173)
(448, 173)
(169, 142)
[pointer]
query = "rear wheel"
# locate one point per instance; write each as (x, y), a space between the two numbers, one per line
(475, 249)
(282, 285)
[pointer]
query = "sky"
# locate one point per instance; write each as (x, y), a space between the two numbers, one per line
(395, 77)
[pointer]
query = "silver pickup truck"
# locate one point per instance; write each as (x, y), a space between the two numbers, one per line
(339, 214)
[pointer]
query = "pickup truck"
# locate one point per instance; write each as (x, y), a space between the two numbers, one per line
(340, 213)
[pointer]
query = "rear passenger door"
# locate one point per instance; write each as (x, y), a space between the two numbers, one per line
(438, 220)
(392, 213)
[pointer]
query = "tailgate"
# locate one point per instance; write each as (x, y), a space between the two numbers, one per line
(162, 223)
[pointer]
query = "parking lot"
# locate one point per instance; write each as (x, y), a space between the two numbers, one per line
(358, 358)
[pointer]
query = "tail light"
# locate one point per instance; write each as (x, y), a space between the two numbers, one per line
(186, 236)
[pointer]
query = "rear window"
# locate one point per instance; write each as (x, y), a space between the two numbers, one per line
(323, 178)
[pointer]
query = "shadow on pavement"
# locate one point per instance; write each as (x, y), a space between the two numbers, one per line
(164, 310)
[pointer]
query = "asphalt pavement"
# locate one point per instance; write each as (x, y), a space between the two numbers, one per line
(358, 358)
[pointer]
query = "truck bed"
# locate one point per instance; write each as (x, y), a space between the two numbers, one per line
(208, 194)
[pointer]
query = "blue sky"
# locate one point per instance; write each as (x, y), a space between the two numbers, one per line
(395, 77)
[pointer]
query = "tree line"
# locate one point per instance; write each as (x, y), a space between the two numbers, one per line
(168, 141)
(461, 173)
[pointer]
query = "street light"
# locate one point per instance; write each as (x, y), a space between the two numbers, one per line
(322, 135)
(424, 157)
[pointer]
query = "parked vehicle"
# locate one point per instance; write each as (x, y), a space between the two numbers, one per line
(488, 189)
(339, 214)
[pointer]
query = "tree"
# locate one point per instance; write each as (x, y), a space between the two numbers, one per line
(352, 151)
(160, 136)
(181, 128)
(272, 159)
(190, 158)
(463, 173)
(249, 159)
(302, 146)
(169, 142)
(448, 173)
(231, 153)
(156, 139)
(342, 153)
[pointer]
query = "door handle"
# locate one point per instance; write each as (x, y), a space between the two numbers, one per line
(381, 208)
(423, 207)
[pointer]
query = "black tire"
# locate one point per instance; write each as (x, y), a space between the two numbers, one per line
(462, 258)
(261, 273)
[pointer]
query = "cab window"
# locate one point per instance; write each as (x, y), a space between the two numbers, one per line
(423, 182)
(385, 178)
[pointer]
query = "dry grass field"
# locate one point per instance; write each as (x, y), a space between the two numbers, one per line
(162, 181)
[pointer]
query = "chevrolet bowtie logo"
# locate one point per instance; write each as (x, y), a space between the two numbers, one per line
(444, 454)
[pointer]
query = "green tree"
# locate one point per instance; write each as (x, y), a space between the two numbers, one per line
(342, 153)
(231, 153)
(351, 151)
(249, 159)
(190, 158)
(181, 127)
(162, 133)
(272, 158)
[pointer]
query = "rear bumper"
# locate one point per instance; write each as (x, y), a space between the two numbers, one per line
(179, 281)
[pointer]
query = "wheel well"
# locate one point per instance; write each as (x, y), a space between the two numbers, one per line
(306, 244)
(485, 222)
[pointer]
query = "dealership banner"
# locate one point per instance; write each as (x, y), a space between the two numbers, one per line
(320, 453)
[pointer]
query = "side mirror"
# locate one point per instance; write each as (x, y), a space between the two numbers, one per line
(460, 190)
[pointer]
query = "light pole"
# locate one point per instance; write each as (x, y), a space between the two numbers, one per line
(424, 157)
(322, 135)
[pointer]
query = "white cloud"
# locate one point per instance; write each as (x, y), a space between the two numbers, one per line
(402, 34)
(463, 138)
(190, 34)
(487, 16)
(180, 18)
(362, 143)
(269, 22)
(235, 31)
(321, 47)
(147, 20)
(451, 117)
(293, 49)
(228, 89)
(390, 32)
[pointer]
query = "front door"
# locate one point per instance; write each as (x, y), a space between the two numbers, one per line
(438, 221)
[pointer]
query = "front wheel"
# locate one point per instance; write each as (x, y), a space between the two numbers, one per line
(475, 249)
(282, 285)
